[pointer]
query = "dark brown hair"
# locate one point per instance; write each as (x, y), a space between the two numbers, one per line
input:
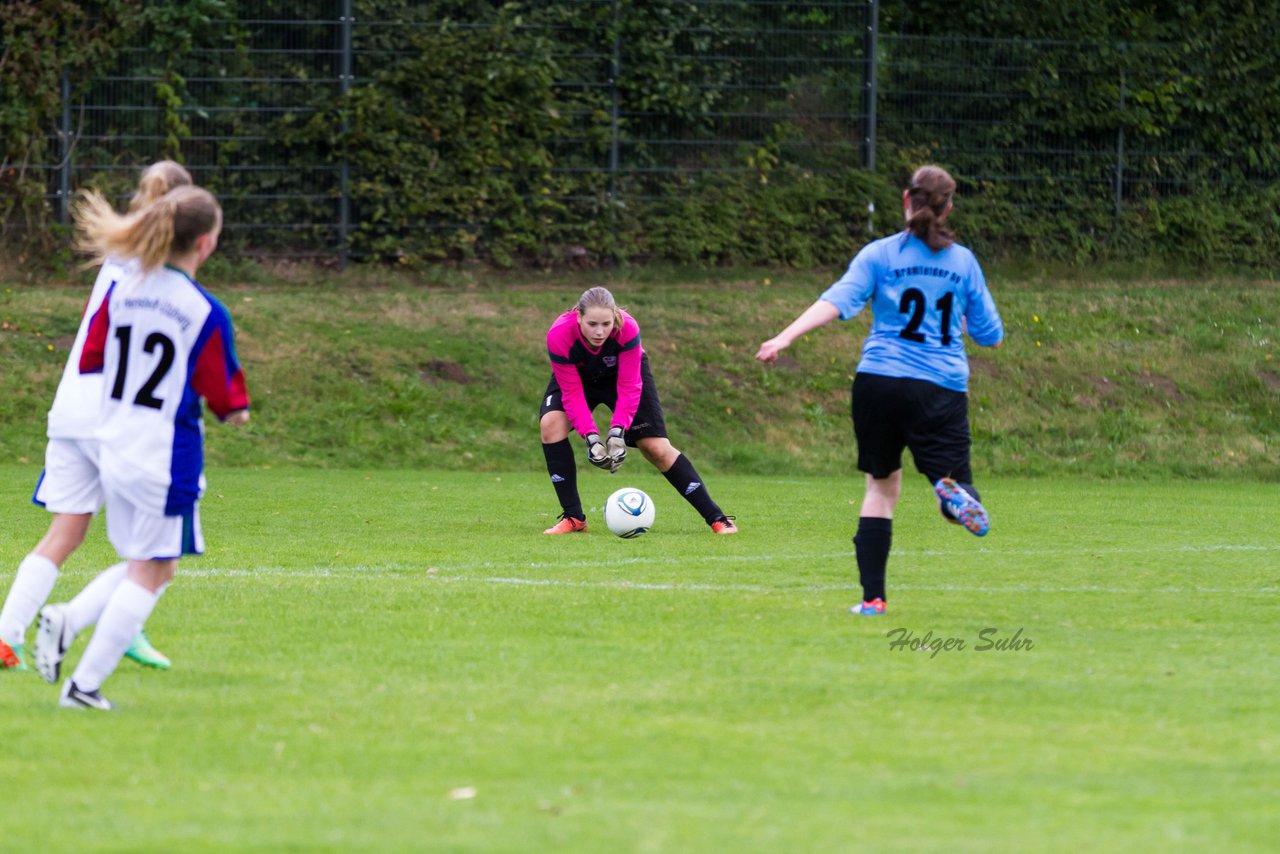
(929, 195)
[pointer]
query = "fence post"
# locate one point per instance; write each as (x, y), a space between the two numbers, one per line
(64, 167)
(344, 84)
(1119, 177)
(615, 68)
(871, 48)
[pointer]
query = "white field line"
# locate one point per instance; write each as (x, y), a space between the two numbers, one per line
(446, 573)
(437, 578)
(686, 560)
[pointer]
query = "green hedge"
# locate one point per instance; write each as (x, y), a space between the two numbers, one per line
(456, 140)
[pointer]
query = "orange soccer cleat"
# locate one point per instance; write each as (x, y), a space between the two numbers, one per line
(13, 657)
(567, 525)
(724, 525)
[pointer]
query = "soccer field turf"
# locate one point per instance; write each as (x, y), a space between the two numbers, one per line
(401, 661)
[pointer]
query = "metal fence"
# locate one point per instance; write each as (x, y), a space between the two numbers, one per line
(249, 77)
(745, 65)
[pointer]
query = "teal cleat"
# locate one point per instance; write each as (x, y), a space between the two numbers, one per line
(874, 608)
(147, 655)
(13, 657)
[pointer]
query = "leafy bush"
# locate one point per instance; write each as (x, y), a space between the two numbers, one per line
(518, 134)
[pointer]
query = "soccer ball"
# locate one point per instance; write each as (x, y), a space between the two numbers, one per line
(628, 512)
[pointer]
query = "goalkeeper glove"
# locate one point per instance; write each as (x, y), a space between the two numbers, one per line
(617, 448)
(596, 452)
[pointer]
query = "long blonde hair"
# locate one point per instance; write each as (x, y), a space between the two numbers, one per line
(157, 179)
(599, 297)
(167, 226)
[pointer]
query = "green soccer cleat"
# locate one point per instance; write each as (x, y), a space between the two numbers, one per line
(145, 654)
(13, 657)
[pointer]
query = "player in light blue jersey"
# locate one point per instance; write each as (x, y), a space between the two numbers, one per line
(926, 293)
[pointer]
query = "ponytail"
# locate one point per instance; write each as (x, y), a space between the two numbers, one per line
(929, 196)
(157, 179)
(167, 226)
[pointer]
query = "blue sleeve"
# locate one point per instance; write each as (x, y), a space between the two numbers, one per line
(852, 290)
(981, 318)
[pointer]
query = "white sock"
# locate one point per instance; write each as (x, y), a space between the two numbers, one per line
(31, 588)
(127, 610)
(84, 610)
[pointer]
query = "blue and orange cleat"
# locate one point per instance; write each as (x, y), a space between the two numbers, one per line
(964, 507)
(874, 608)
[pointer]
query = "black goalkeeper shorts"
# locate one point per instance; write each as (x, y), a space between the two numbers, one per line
(648, 422)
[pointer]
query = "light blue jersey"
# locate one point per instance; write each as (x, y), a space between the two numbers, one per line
(918, 297)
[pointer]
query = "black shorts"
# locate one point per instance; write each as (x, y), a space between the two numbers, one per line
(648, 422)
(892, 413)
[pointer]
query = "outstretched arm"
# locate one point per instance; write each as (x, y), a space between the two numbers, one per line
(819, 314)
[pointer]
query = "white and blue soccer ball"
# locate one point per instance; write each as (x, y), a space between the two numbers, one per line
(628, 512)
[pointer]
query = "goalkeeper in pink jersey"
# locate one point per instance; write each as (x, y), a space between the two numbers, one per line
(596, 358)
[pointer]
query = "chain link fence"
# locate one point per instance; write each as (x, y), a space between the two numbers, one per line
(736, 71)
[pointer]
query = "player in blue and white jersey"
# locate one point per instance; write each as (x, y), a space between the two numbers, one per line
(164, 344)
(68, 486)
(911, 388)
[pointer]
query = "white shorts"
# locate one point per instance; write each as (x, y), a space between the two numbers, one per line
(139, 535)
(69, 482)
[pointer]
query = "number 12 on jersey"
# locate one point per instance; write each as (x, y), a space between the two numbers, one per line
(155, 341)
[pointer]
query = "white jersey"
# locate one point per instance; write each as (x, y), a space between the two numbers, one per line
(74, 414)
(162, 343)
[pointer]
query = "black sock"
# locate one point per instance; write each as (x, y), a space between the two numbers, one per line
(684, 478)
(871, 545)
(563, 469)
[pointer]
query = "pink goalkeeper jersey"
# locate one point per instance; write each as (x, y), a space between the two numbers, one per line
(163, 343)
(575, 365)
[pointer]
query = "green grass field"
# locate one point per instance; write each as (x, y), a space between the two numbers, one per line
(399, 661)
(1101, 377)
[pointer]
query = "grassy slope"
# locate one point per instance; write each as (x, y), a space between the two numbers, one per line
(355, 648)
(1129, 377)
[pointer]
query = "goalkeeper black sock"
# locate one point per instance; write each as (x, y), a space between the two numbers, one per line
(684, 478)
(563, 469)
(871, 545)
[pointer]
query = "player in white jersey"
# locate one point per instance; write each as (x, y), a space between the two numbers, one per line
(68, 486)
(163, 344)
(911, 388)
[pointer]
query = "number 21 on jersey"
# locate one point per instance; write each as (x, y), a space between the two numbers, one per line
(913, 302)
